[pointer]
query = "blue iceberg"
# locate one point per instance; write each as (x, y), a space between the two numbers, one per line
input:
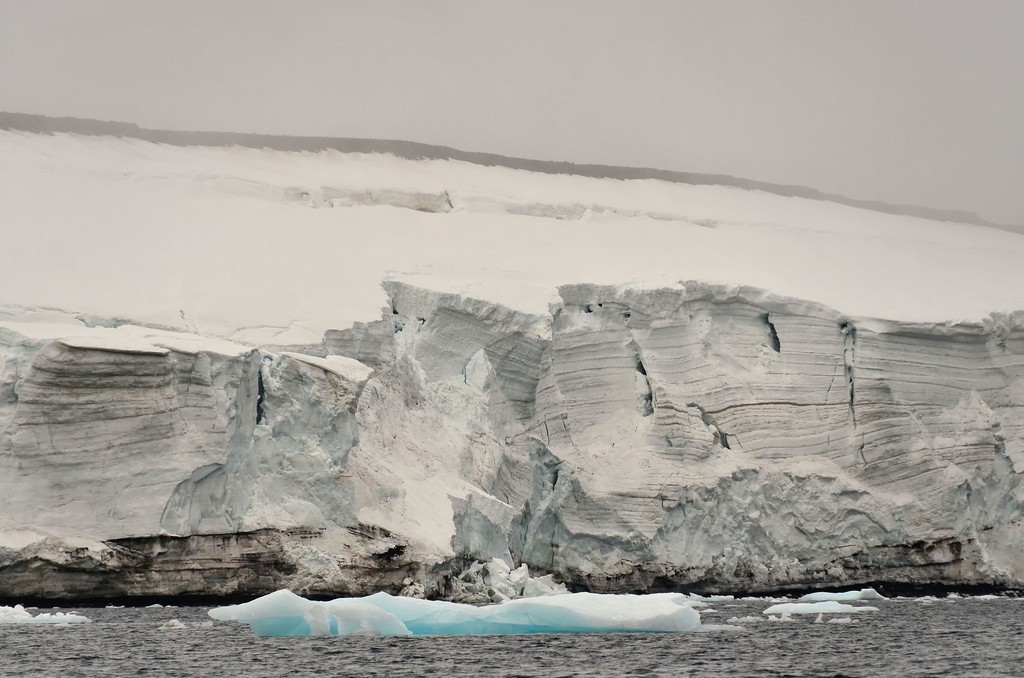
(284, 613)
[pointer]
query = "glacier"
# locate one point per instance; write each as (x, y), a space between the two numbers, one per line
(244, 370)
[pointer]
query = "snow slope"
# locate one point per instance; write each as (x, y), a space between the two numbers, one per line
(233, 370)
(227, 240)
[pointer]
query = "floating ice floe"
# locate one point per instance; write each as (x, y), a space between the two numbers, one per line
(19, 615)
(284, 613)
(826, 606)
(785, 617)
(172, 625)
(844, 596)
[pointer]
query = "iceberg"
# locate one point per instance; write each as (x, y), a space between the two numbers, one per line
(19, 615)
(284, 613)
(844, 596)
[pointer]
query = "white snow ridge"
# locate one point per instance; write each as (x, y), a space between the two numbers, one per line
(230, 370)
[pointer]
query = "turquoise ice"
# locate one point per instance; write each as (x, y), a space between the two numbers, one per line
(284, 613)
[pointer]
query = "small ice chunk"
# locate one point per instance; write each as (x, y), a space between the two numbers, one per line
(826, 606)
(412, 589)
(542, 586)
(154, 606)
(518, 578)
(841, 620)
(172, 625)
(781, 618)
(743, 620)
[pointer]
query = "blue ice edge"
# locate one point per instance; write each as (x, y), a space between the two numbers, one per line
(284, 613)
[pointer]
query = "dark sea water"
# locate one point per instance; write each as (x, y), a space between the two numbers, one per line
(906, 637)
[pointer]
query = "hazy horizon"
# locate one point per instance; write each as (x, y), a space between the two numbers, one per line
(916, 102)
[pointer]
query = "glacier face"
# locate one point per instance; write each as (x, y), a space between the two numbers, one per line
(706, 436)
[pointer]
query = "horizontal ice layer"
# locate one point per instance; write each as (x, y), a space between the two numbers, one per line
(699, 436)
(825, 606)
(844, 596)
(19, 615)
(283, 613)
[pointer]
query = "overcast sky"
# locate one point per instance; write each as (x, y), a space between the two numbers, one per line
(918, 101)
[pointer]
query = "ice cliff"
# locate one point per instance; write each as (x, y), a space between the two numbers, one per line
(629, 440)
(231, 401)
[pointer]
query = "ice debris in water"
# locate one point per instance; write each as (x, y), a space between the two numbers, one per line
(844, 596)
(826, 606)
(743, 620)
(172, 625)
(781, 618)
(19, 615)
(284, 613)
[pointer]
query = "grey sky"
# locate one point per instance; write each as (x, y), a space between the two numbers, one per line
(917, 101)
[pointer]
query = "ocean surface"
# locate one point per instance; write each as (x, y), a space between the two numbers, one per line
(906, 637)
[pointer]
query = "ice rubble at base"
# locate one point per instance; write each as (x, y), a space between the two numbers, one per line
(284, 613)
(19, 615)
(496, 582)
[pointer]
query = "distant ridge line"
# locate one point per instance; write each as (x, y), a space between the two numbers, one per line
(411, 150)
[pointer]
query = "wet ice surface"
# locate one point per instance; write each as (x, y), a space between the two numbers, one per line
(905, 637)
